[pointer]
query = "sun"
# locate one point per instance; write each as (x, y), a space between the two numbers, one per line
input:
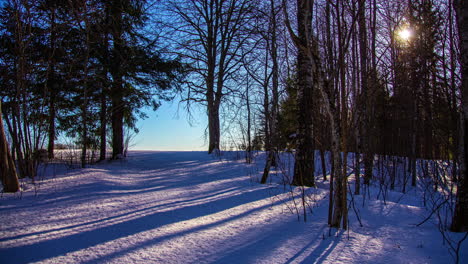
(405, 34)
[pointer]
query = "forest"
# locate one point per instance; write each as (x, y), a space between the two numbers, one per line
(362, 97)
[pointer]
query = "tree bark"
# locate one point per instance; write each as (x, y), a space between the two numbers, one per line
(103, 121)
(52, 85)
(368, 167)
(460, 217)
(104, 89)
(52, 117)
(275, 85)
(324, 167)
(271, 118)
(357, 174)
(84, 128)
(117, 127)
(363, 113)
(213, 36)
(307, 79)
(117, 84)
(368, 157)
(213, 127)
(249, 126)
(8, 174)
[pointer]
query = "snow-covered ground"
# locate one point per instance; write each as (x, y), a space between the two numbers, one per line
(189, 207)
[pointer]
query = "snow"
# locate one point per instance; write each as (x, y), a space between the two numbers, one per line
(190, 207)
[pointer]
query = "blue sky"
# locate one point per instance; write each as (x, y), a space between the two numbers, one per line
(169, 129)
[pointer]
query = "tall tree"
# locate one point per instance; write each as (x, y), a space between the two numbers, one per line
(8, 175)
(54, 24)
(117, 9)
(103, 57)
(307, 80)
(210, 35)
(271, 112)
(52, 82)
(310, 47)
(140, 75)
(460, 218)
(23, 96)
(363, 103)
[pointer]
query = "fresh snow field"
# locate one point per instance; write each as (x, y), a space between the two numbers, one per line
(190, 207)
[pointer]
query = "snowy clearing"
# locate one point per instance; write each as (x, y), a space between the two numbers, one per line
(189, 207)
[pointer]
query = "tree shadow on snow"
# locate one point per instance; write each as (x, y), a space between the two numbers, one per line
(70, 243)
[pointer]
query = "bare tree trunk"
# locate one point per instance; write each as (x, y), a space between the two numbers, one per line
(355, 80)
(52, 85)
(308, 75)
(84, 124)
(52, 117)
(85, 95)
(213, 118)
(413, 170)
(340, 127)
(368, 157)
(453, 86)
(213, 127)
(332, 190)
(266, 109)
(339, 184)
(104, 90)
(249, 126)
(271, 115)
(117, 126)
(344, 192)
(460, 217)
(357, 174)
(362, 107)
(275, 84)
(324, 167)
(103, 122)
(8, 174)
(368, 167)
(117, 114)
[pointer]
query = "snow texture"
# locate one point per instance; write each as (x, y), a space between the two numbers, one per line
(190, 207)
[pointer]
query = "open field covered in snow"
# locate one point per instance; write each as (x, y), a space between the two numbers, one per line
(190, 207)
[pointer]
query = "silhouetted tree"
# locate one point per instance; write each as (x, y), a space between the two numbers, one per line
(460, 217)
(210, 36)
(8, 175)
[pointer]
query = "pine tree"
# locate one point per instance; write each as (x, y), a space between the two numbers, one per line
(140, 76)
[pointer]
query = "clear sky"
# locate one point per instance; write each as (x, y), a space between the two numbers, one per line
(169, 129)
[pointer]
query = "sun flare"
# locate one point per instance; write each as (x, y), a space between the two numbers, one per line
(405, 34)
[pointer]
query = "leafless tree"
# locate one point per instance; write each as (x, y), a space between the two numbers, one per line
(308, 68)
(209, 36)
(8, 175)
(460, 218)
